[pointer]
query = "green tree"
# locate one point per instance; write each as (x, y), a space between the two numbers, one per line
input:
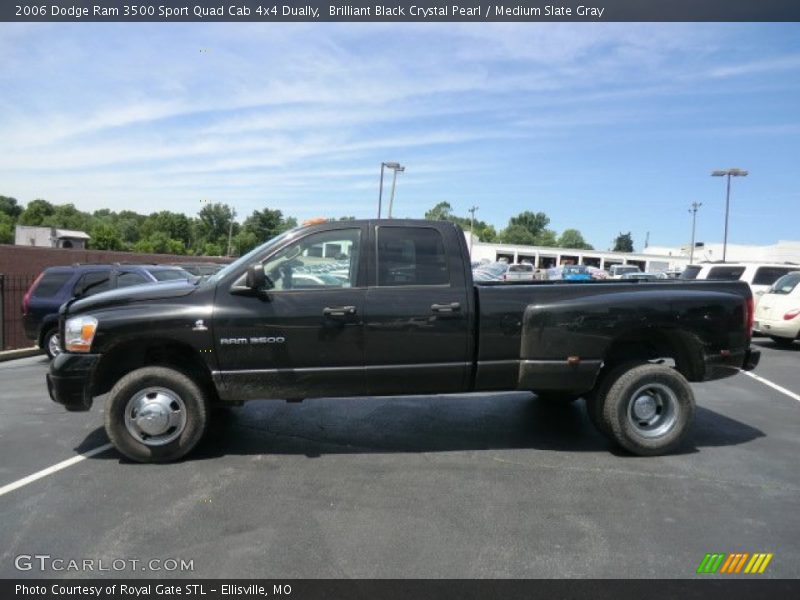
(160, 243)
(440, 212)
(10, 207)
(546, 237)
(443, 212)
(36, 211)
(533, 222)
(572, 238)
(212, 226)
(6, 229)
(623, 242)
(66, 216)
(175, 225)
(518, 234)
(105, 237)
(260, 226)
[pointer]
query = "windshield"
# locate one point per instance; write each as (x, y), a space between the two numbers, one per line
(246, 258)
(786, 284)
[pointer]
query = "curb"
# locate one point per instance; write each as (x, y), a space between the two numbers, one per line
(20, 353)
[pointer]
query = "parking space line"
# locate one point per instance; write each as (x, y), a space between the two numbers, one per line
(774, 386)
(54, 469)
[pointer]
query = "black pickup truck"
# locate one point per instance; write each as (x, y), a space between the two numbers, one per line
(389, 307)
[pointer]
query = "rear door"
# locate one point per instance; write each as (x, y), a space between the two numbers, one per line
(417, 312)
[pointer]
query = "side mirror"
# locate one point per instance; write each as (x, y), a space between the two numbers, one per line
(255, 278)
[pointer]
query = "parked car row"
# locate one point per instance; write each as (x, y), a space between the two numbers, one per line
(778, 311)
(56, 285)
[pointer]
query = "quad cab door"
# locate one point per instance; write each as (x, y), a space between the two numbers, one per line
(304, 335)
(418, 312)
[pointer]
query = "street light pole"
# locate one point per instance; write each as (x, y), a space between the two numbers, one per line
(693, 210)
(729, 173)
(390, 165)
(472, 210)
(230, 230)
(399, 169)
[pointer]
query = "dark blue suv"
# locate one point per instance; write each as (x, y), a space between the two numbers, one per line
(56, 285)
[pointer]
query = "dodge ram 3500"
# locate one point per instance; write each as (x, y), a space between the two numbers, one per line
(389, 307)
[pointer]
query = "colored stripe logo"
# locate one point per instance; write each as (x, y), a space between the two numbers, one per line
(735, 562)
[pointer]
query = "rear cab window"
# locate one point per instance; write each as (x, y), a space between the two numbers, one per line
(50, 284)
(411, 256)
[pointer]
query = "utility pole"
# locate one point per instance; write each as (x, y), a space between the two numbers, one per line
(695, 207)
(472, 210)
(399, 169)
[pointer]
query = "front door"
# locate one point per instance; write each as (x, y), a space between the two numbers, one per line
(305, 336)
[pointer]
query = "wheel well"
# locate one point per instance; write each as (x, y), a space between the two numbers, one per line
(658, 344)
(45, 329)
(130, 356)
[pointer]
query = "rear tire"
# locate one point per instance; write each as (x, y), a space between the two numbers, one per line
(156, 414)
(51, 343)
(649, 409)
(596, 399)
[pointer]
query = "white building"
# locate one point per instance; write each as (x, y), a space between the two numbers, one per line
(544, 257)
(49, 237)
(782, 251)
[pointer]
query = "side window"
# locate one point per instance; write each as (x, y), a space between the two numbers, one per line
(411, 256)
(129, 278)
(328, 259)
(92, 283)
(725, 273)
(51, 283)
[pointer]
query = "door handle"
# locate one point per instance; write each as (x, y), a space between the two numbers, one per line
(339, 311)
(446, 308)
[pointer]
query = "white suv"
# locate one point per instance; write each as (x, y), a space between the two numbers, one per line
(760, 276)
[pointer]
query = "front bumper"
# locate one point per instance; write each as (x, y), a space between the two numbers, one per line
(69, 380)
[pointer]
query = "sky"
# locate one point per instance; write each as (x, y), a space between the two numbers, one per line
(605, 127)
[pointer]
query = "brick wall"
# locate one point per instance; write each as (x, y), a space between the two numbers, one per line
(21, 264)
(30, 260)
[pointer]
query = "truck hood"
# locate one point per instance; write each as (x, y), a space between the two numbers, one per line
(129, 295)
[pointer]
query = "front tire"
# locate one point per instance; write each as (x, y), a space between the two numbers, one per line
(156, 414)
(51, 343)
(649, 409)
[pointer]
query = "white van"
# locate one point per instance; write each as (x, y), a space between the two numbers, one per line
(760, 276)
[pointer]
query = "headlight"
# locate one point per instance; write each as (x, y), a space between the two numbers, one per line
(79, 334)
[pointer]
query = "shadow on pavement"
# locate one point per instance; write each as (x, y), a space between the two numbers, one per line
(423, 424)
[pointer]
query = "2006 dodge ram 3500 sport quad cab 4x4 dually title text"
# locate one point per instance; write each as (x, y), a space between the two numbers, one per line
(388, 307)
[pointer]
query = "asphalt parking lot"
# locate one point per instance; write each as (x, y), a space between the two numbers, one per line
(498, 485)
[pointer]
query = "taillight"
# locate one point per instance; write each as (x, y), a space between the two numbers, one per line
(749, 314)
(26, 299)
(791, 314)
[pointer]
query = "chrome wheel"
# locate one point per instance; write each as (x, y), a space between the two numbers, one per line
(53, 345)
(653, 410)
(155, 416)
